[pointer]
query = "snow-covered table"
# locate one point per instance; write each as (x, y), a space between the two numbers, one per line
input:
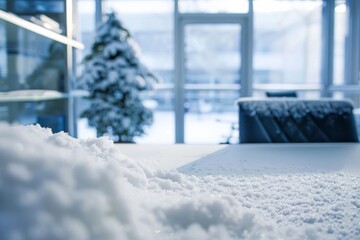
(248, 158)
(312, 187)
(53, 186)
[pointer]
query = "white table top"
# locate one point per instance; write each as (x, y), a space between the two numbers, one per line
(248, 158)
(170, 156)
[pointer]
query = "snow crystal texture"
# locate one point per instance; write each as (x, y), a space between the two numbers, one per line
(53, 186)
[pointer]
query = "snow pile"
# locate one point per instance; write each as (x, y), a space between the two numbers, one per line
(53, 186)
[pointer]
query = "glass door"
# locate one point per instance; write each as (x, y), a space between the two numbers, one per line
(211, 80)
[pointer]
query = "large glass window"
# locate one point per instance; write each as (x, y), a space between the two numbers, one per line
(151, 24)
(287, 55)
(287, 43)
(212, 80)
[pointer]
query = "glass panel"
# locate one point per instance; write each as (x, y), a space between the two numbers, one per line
(3, 5)
(86, 30)
(212, 81)
(352, 96)
(31, 62)
(287, 36)
(39, 6)
(150, 23)
(85, 25)
(46, 13)
(340, 32)
(163, 129)
(214, 6)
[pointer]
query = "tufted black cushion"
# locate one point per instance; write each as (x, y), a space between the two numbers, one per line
(296, 121)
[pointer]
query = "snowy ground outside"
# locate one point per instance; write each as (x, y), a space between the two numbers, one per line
(53, 186)
(210, 128)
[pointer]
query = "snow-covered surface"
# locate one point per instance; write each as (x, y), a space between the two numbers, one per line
(248, 159)
(169, 156)
(55, 187)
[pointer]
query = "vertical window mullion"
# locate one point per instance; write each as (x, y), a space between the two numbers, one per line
(327, 52)
(98, 12)
(352, 67)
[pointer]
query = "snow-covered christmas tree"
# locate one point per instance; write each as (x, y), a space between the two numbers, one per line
(116, 79)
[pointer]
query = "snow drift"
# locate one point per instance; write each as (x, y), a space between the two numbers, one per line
(53, 186)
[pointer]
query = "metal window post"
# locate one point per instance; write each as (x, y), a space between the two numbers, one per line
(327, 50)
(179, 90)
(71, 120)
(247, 52)
(352, 52)
(98, 12)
